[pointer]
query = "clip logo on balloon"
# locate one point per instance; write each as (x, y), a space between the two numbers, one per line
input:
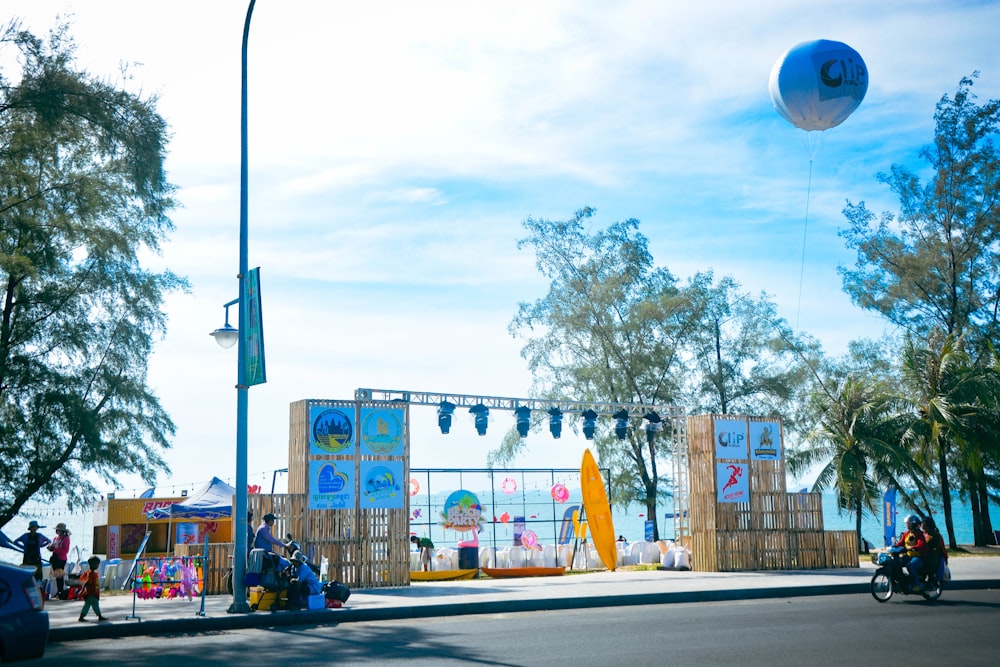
(817, 85)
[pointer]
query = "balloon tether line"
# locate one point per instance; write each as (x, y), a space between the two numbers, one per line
(805, 229)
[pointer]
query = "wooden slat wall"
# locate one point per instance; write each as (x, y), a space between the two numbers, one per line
(367, 548)
(775, 530)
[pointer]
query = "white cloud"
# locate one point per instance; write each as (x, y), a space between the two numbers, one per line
(395, 148)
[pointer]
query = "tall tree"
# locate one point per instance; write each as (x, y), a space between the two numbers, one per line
(609, 329)
(742, 355)
(953, 422)
(934, 265)
(82, 193)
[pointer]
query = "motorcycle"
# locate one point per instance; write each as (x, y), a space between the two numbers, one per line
(892, 577)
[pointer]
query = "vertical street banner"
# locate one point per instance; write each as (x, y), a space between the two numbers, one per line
(114, 542)
(252, 330)
(889, 516)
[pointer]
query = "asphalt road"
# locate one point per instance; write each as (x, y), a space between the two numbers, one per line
(960, 629)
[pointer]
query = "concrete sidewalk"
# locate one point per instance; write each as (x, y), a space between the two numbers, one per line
(130, 617)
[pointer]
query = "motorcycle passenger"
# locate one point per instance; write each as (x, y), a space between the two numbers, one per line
(937, 554)
(915, 544)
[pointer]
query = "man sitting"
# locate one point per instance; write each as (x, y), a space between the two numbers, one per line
(303, 583)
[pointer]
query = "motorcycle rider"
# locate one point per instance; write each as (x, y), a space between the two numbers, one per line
(915, 543)
(937, 554)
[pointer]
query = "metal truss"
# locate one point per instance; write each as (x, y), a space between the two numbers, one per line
(672, 414)
(505, 403)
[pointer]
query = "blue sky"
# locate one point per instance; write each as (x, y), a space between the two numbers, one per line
(396, 147)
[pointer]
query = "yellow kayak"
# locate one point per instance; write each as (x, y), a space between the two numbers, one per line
(598, 510)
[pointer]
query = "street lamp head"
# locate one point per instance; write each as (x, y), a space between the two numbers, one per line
(226, 336)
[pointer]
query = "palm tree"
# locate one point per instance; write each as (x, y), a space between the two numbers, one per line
(955, 404)
(858, 441)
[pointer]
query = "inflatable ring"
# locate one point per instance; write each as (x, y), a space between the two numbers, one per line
(560, 493)
(528, 538)
(508, 485)
(414, 486)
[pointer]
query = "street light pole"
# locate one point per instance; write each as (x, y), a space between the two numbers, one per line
(239, 605)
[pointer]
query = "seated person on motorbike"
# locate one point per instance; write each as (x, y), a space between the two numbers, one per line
(303, 583)
(915, 544)
(937, 554)
(263, 539)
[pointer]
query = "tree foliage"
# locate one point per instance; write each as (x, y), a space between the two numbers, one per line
(934, 265)
(82, 193)
(857, 441)
(616, 328)
(933, 269)
(609, 329)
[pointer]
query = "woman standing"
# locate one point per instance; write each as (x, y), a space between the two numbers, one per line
(31, 544)
(60, 552)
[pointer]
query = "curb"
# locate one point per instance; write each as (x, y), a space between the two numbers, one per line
(193, 625)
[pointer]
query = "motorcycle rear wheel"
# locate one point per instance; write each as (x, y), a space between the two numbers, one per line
(881, 587)
(932, 591)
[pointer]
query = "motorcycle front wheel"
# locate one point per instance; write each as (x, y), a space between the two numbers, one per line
(881, 587)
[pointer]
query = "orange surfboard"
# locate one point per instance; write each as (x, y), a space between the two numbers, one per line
(595, 502)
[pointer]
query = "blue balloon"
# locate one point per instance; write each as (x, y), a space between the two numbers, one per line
(817, 85)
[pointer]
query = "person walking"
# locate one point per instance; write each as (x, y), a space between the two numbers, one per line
(92, 587)
(57, 561)
(31, 544)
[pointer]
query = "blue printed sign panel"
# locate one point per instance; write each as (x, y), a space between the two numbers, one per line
(731, 439)
(734, 482)
(331, 431)
(765, 441)
(331, 485)
(381, 431)
(382, 485)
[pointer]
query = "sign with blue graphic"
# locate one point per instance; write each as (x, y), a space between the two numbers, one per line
(765, 441)
(331, 431)
(731, 439)
(331, 485)
(382, 485)
(381, 431)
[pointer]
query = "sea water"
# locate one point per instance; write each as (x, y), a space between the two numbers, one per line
(540, 513)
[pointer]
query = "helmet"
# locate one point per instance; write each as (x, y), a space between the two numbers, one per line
(912, 521)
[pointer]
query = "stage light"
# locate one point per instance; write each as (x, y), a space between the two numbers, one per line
(653, 426)
(482, 417)
(589, 423)
(445, 411)
(621, 423)
(555, 422)
(523, 415)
